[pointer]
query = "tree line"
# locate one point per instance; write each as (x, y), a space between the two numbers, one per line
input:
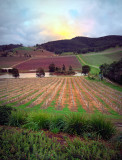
(82, 45)
(112, 71)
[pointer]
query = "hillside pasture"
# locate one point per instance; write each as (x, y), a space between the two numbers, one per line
(99, 59)
(35, 63)
(60, 94)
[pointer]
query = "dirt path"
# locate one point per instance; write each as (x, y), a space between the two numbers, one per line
(21, 62)
(86, 63)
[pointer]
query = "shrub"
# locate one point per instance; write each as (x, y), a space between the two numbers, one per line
(18, 118)
(5, 112)
(102, 126)
(40, 120)
(76, 124)
(57, 123)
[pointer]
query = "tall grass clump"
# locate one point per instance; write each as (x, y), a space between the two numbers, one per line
(76, 124)
(57, 123)
(18, 118)
(102, 126)
(36, 121)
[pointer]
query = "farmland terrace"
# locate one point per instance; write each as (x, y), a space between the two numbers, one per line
(35, 63)
(65, 94)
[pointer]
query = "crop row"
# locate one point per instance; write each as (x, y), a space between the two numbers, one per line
(62, 91)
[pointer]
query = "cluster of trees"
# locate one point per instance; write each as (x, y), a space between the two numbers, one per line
(59, 70)
(13, 71)
(83, 44)
(9, 47)
(112, 71)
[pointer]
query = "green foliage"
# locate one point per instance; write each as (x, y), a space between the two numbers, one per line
(89, 150)
(38, 121)
(86, 69)
(71, 123)
(17, 118)
(26, 145)
(57, 123)
(113, 71)
(102, 126)
(5, 112)
(76, 124)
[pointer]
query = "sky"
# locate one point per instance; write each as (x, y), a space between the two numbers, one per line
(32, 22)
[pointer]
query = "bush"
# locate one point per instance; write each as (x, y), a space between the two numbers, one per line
(57, 123)
(5, 112)
(102, 126)
(17, 118)
(39, 121)
(76, 124)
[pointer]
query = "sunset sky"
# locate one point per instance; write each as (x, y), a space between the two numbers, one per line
(33, 22)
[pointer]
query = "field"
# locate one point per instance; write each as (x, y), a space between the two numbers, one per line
(61, 94)
(34, 64)
(6, 62)
(97, 59)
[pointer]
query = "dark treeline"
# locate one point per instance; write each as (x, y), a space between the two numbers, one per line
(83, 44)
(9, 47)
(112, 71)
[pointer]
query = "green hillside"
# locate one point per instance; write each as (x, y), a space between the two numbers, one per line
(98, 59)
(94, 60)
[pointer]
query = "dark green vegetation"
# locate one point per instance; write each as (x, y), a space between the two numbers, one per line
(26, 145)
(73, 123)
(23, 144)
(9, 47)
(113, 71)
(53, 69)
(86, 69)
(83, 44)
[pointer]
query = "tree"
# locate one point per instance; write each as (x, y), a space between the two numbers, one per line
(15, 72)
(63, 68)
(40, 72)
(52, 67)
(86, 69)
(70, 70)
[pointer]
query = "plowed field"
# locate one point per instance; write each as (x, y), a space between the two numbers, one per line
(60, 93)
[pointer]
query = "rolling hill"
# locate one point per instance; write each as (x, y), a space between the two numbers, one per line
(83, 44)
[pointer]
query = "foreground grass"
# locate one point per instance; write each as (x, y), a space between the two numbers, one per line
(72, 123)
(26, 145)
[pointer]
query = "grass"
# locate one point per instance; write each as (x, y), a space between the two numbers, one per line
(111, 85)
(23, 144)
(72, 123)
(98, 59)
(94, 69)
(30, 142)
(23, 48)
